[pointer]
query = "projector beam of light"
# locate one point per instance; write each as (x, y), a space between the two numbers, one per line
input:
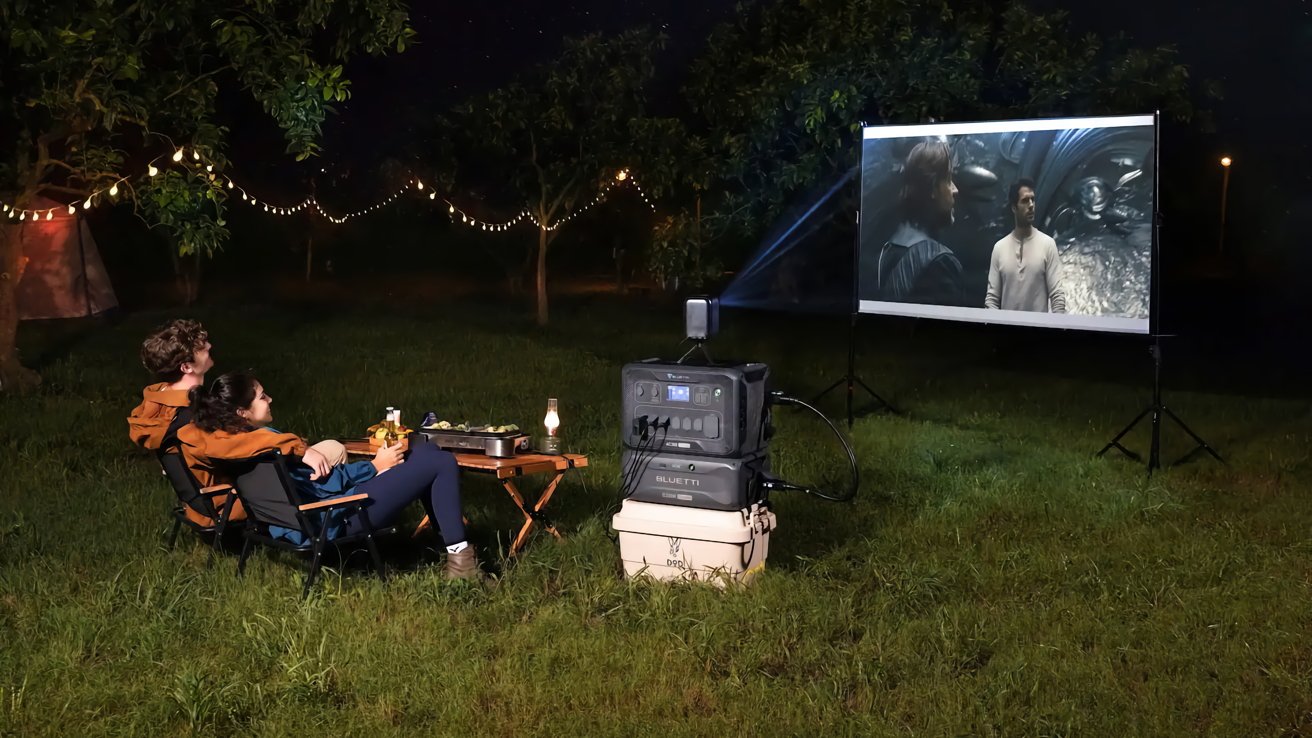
(776, 247)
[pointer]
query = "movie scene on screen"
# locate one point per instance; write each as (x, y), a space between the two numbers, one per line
(1037, 222)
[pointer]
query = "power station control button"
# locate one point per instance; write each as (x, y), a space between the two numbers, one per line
(687, 424)
(697, 425)
(712, 426)
(702, 396)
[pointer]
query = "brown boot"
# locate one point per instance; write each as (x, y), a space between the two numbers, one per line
(463, 565)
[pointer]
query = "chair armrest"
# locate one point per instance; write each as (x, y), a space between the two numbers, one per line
(217, 489)
(332, 502)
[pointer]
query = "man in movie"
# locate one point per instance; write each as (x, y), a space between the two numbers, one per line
(1025, 269)
(913, 266)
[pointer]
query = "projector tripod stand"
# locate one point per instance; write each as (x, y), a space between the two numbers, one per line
(1158, 409)
(852, 381)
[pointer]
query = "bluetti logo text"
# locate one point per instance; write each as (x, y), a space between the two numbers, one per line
(678, 481)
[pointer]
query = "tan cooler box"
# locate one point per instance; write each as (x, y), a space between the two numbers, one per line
(668, 542)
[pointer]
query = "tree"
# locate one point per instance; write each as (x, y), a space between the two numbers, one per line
(555, 137)
(781, 91)
(96, 89)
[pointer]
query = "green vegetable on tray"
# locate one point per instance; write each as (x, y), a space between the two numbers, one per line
(465, 427)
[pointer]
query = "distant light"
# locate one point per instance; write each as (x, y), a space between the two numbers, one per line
(1226, 161)
(623, 175)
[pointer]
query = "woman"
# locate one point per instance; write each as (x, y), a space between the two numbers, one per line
(230, 420)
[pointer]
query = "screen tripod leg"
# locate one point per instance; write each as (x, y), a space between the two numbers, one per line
(1116, 442)
(1202, 445)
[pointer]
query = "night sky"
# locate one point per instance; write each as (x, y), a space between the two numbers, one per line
(469, 48)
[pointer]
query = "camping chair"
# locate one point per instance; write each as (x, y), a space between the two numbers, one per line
(200, 499)
(268, 493)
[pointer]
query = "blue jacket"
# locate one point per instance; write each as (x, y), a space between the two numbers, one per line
(340, 481)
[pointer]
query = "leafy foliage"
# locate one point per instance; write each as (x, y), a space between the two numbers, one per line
(96, 86)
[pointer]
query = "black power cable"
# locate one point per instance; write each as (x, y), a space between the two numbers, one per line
(779, 398)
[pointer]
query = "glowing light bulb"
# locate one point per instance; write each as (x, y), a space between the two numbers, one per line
(72, 209)
(177, 155)
(451, 209)
(50, 215)
(229, 184)
(432, 196)
(22, 215)
(419, 184)
(1226, 161)
(113, 191)
(623, 175)
(152, 171)
(552, 419)
(87, 205)
(209, 167)
(195, 155)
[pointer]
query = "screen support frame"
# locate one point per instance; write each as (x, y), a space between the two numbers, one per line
(1157, 408)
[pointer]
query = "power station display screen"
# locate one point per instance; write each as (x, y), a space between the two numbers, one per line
(677, 393)
(1031, 222)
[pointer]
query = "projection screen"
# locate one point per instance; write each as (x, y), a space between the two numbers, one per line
(1033, 222)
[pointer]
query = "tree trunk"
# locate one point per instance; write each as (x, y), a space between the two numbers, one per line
(189, 278)
(309, 256)
(542, 275)
(13, 375)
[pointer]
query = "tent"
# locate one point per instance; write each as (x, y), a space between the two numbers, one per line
(64, 277)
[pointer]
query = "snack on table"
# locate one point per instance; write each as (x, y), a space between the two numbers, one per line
(377, 434)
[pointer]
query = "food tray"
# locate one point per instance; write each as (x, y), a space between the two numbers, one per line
(502, 445)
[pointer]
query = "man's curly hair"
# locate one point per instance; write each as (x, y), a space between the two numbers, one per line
(171, 345)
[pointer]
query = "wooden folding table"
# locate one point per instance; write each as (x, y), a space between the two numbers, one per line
(507, 471)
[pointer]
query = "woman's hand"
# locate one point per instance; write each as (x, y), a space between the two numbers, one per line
(387, 457)
(318, 463)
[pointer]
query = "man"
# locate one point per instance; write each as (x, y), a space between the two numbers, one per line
(178, 355)
(913, 266)
(1025, 270)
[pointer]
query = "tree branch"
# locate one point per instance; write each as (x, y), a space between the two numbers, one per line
(80, 193)
(223, 68)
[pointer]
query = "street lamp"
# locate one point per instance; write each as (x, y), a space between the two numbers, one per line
(1225, 189)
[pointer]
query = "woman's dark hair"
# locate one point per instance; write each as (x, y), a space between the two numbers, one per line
(215, 407)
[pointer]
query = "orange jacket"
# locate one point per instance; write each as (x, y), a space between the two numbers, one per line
(149, 421)
(201, 448)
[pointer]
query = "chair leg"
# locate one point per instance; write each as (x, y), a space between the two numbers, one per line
(373, 547)
(245, 552)
(173, 537)
(314, 564)
(218, 532)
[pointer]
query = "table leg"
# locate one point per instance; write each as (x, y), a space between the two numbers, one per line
(427, 523)
(534, 514)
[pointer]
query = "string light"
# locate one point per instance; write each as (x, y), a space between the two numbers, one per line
(623, 177)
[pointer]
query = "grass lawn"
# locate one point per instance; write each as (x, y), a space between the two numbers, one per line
(992, 578)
